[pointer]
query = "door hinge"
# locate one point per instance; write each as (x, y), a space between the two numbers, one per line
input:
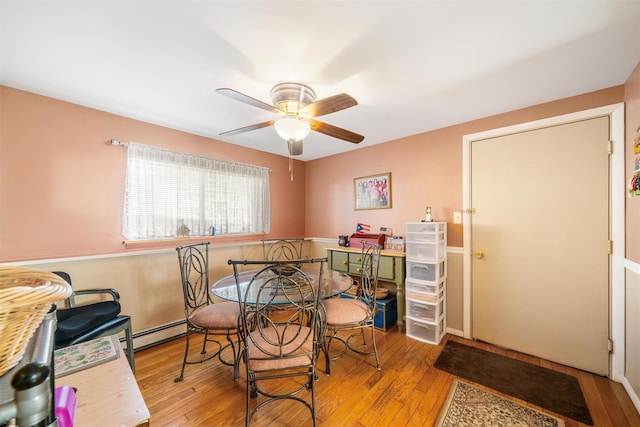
(610, 147)
(610, 345)
(610, 246)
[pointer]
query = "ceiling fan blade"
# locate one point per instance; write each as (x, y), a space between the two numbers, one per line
(335, 131)
(330, 105)
(234, 94)
(249, 128)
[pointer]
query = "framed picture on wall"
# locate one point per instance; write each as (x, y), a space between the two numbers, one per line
(372, 192)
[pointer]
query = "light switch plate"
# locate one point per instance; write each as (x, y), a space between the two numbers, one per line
(457, 217)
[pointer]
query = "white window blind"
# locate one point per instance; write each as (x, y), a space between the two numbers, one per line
(172, 194)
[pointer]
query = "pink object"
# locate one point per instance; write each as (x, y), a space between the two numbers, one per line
(65, 405)
(355, 240)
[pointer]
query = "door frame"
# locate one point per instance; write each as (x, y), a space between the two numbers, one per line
(616, 220)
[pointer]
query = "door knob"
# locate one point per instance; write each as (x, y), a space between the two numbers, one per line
(478, 254)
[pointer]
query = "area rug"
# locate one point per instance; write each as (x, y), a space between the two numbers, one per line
(548, 389)
(468, 405)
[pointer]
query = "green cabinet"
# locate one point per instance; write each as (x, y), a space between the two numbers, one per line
(349, 262)
(387, 268)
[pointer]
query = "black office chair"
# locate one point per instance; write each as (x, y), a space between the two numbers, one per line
(80, 323)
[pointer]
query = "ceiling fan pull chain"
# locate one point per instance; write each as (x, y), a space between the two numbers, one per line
(290, 167)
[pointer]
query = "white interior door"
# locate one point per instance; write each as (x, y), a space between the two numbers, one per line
(539, 242)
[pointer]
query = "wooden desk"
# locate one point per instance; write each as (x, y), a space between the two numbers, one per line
(107, 395)
(390, 269)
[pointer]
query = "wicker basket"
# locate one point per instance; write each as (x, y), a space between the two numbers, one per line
(26, 296)
(354, 289)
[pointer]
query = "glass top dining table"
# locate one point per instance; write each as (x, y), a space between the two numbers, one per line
(333, 283)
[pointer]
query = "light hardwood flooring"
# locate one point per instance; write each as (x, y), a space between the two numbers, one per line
(408, 391)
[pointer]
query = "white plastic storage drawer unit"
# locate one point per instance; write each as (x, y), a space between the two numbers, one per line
(423, 310)
(427, 332)
(425, 285)
(426, 240)
(426, 227)
(425, 251)
(425, 237)
(424, 288)
(424, 292)
(426, 271)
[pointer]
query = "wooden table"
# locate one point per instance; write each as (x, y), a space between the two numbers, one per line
(107, 395)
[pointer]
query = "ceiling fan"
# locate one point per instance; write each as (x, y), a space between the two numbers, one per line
(297, 105)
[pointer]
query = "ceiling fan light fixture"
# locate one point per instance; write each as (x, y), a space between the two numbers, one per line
(292, 129)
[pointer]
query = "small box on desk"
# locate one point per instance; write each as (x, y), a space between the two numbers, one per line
(387, 312)
(355, 240)
(394, 243)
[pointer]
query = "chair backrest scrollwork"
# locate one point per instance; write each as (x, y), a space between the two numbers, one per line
(194, 274)
(282, 249)
(369, 272)
(279, 308)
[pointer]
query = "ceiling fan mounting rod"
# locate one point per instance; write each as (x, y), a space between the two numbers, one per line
(291, 97)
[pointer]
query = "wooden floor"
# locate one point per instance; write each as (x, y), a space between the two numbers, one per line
(408, 391)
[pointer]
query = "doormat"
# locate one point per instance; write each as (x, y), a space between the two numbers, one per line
(468, 405)
(554, 391)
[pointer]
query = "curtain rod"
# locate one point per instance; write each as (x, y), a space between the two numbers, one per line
(115, 142)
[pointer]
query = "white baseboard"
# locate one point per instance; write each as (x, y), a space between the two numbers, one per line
(456, 332)
(632, 394)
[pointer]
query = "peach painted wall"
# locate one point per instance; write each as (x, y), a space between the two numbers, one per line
(632, 125)
(61, 186)
(426, 170)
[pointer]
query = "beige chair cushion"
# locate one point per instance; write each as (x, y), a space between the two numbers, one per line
(343, 311)
(222, 315)
(304, 340)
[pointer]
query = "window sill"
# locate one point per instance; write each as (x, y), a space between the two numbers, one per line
(181, 241)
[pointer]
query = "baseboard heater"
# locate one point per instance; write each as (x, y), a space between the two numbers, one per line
(158, 335)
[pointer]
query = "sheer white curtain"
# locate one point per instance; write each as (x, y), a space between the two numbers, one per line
(172, 194)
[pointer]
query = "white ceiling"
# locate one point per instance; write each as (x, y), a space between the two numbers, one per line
(413, 66)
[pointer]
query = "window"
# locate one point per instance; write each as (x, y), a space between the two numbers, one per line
(172, 194)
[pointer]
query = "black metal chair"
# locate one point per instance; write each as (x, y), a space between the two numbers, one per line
(280, 332)
(282, 249)
(201, 313)
(80, 323)
(355, 312)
